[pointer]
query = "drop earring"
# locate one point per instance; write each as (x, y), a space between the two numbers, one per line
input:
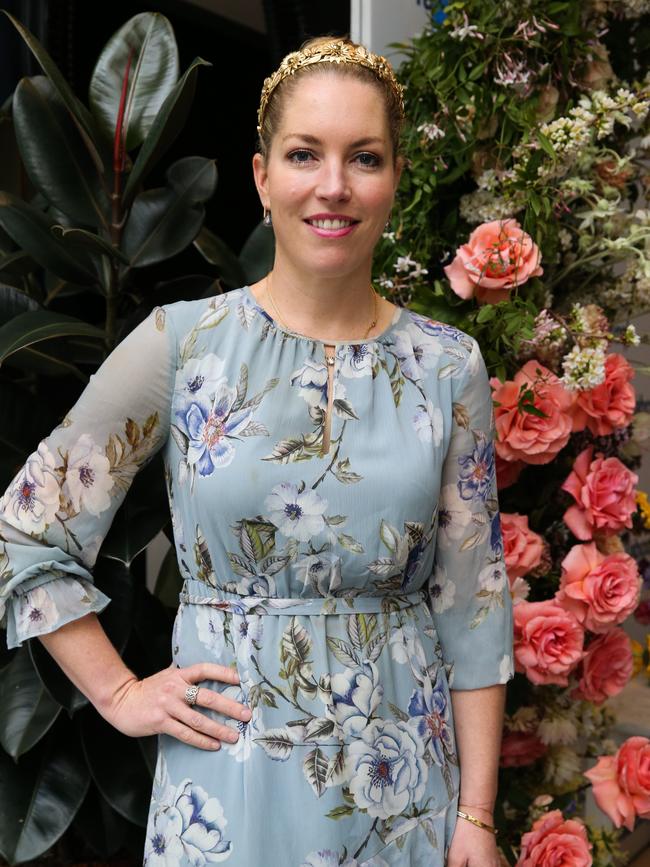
(267, 221)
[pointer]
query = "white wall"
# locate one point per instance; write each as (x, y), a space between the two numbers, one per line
(376, 23)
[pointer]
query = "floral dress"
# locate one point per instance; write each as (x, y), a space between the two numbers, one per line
(349, 587)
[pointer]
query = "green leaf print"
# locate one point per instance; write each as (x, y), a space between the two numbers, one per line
(361, 628)
(345, 475)
(256, 538)
(315, 769)
(277, 743)
(296, 642)
(350, 544)
(343, 651)
(340, 812)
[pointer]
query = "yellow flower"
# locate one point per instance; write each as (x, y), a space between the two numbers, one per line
(644, 508)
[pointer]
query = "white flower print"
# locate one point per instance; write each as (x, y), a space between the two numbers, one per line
(36, 609)
(88, 477)
(203, 825)
(506, 669)
(199, 377)
(33, 497)
(209, 628)
(248, 731)
(297, 514)
(356, 695)
(416, 351)
(163, 847)
(311, 380)
(453, 516)
(386, 768)
(319, 573)
(356, 359)
(493, 577)
(210, 427)
(328, 858)
(247, 632)
(406, 646)
(428, 423)
(441, 590)
(519, 590)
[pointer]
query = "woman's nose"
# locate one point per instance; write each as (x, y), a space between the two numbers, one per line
(333, 182)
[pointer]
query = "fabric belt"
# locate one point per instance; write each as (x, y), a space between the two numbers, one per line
(198, 593)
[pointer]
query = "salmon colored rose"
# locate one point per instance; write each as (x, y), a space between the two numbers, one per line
(610, 405)
(554, 841)
(507, 471)
(602, 590)
(604, 493)
(498, 256)
(608, 665)
(621, 783)
(533, 437)
(548, 641)
(520, 748)
(522, 547)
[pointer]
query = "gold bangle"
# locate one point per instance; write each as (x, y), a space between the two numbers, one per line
(477, 822)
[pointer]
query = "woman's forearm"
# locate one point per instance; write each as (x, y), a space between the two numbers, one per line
(478, 721)
(86, 656)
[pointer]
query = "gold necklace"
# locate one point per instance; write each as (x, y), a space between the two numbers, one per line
(286, 328)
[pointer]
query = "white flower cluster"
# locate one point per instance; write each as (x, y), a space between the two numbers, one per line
(481, 206)
(567, 134)
(431, 131)
(466, 30)
(584, 367)
(601, 110)
(411, 268)
(630, 337)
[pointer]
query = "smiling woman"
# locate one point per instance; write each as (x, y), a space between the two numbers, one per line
(330, 469)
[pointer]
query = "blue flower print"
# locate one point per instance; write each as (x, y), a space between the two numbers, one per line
(429, 712)
(164, 847)
(320, 574)
(496, 539)
(476, 474)
(199, 377)
(311, 380)
(439, 329)
(417, 352)
(297, 514)
(203, 825)
(356, 359)
(356, 695)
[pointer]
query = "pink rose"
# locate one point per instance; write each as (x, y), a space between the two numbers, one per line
(609, 405)
(522, 547)
(601, 590)
(606, 667)
(507, 471)
(621, 783)
(520, 748)
(498, 256)
(554, 841)
(604, 491)
(548, 641)
(524, 435)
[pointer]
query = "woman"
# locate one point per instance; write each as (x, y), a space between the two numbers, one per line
(331, 480)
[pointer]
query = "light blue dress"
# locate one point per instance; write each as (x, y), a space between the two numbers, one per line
(349, 589)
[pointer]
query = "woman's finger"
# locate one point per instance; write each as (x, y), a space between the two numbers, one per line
(201, 723)
(222, 704)
(209, 671)
(187, 735)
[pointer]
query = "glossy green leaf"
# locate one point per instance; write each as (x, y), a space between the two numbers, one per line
(26, 710)
(30, 229)
(39, 803)
(78, 111)
(17, 265)
(257, 254)
(219, 254)
(114, 579)
(91, 242)
(153, 74)
(99, 825)
(48, 361)
(36, 325)
(117, 767)
(13, 302)
(167, 124)
(54, 680)
(165, 221)
(54, 156)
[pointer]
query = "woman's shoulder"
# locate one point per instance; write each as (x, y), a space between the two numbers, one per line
(449, 338)
(203, 312)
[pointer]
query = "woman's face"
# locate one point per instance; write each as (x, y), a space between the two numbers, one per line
(330, 177)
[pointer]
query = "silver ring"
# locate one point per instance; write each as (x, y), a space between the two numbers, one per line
(191, 693)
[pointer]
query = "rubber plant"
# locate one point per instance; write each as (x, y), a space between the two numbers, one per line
(77, 229)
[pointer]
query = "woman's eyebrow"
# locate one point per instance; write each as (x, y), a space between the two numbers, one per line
(312, 139)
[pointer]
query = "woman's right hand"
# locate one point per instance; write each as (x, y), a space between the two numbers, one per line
(157, 705)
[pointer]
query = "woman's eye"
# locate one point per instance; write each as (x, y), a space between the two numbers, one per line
(300, 156)
(367, 159)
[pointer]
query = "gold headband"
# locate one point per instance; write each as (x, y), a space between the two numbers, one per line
(336, 51)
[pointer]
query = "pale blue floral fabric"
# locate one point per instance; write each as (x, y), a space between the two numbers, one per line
(350, 589)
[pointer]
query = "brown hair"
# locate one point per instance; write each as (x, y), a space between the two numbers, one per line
(273, 113)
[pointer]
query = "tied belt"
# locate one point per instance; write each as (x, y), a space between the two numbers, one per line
(197, 593)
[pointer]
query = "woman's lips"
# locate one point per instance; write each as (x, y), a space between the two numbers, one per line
(331, 232)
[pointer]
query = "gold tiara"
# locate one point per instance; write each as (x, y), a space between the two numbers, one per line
(336, 51)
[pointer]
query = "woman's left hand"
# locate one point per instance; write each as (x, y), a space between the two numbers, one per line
(472, 846)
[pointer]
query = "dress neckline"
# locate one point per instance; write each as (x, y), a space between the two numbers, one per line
(377, 338)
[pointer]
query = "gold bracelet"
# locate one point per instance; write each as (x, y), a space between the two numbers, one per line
(477, 822)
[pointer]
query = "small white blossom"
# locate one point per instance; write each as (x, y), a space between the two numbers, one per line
(584, 367)
(465, 31)
(431, 130)
(631, 338)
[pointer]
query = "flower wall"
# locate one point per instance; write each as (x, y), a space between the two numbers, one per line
(522, 219)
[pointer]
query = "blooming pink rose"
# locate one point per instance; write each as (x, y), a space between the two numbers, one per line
(600, 589)
(606, 667)
(522, 435)
(548, 641)
(522, 547)
(507, 471)
(520, 748)
(621, 783)
(498, 256)
(604, 491)
(609, 405)
(554, 841)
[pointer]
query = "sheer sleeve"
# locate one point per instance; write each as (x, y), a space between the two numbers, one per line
(469, 591)
(59, 507)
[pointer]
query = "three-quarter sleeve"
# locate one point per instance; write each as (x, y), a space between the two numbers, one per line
(469, 591)
(56, 512)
